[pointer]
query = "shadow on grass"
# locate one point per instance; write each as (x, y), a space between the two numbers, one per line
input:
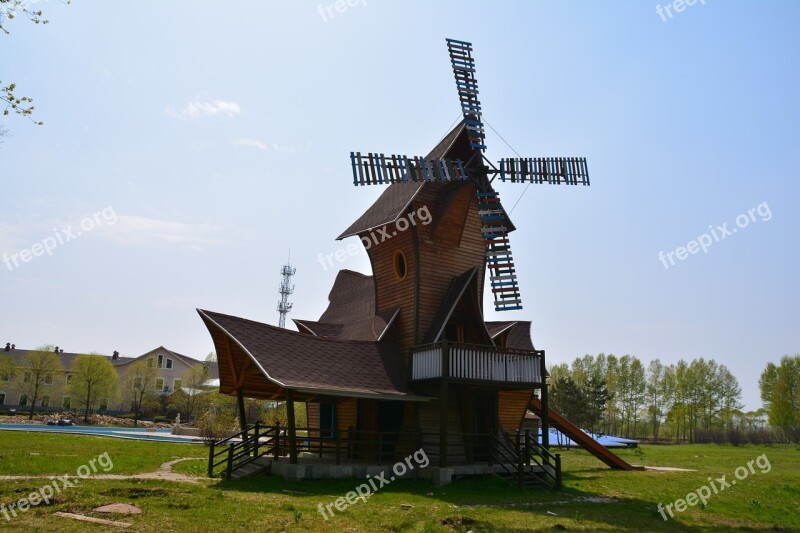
(539, 508)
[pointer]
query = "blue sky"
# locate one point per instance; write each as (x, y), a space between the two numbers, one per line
(216, 137)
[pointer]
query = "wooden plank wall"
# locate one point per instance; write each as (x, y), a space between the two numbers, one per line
(448, 247)
(511, 408)
(439, 263)
(312, 414)
(346, 414)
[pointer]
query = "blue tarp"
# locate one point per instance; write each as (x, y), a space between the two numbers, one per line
(559, 439)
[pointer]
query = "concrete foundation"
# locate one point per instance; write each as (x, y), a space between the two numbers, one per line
(310, 469)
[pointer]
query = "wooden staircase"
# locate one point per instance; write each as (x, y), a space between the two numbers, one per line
(524, 461)
(250, 469)
(244, 454)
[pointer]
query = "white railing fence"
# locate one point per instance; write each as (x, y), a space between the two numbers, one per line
(474, 362)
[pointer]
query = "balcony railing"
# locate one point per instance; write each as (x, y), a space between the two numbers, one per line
(476, 363)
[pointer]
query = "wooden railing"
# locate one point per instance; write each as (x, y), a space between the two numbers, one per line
(513, 454)
(242, 448)
(476, 362)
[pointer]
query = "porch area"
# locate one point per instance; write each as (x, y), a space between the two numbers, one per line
(309, 454)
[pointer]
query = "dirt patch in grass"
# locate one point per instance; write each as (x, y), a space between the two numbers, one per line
(136, 492)
(462, 523)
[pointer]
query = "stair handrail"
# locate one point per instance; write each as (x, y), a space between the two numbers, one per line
(244, 451)
(534, 451)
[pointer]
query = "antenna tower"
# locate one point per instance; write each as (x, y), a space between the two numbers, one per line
(286, 288)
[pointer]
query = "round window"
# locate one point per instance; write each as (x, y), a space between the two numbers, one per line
(400, 266)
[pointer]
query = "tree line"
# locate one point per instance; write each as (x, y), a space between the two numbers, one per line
(689, 401)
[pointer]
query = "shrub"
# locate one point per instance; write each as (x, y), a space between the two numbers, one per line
(216, 426)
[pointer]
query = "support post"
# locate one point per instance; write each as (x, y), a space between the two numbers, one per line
(443, 406)
(256, 437)
(242, 413)
(292, 432)
(229, 467)
(545, 417)
(276, 442)
(558, 471)
(338, 446)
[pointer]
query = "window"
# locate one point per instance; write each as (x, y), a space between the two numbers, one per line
(45, 401)
(2, 399)
(149, 362)
(169, 363)
(67, 402)
(69, 379)
(103, 405)
(5, 377)
(160, 361)
(327, 419)
(137, 383)
(177, 384)
(160, 384)
(23, 400)
(48, 379)
(26, 377)
(400, 266)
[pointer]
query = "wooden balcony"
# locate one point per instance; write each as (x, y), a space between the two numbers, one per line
(473, 362)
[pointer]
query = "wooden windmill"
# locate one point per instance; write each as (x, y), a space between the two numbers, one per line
(378, 168)
(403, 359)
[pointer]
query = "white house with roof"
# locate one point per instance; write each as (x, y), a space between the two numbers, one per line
(170, 367)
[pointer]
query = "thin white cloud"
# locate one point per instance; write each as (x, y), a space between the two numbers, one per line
(137, 230)
(275, 147)
(12, 238)
(252, 143)
(195, 110)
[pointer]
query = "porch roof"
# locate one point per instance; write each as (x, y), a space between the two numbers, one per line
(264, 361)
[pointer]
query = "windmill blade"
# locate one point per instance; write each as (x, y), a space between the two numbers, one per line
(502, 273)
(552, 170)
(378, 169)
(464, 71)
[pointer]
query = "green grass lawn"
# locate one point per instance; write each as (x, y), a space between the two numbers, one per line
(762, 502)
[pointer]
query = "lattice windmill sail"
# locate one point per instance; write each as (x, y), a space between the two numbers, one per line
(377, 168)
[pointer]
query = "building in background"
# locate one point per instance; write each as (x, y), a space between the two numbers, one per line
(170, 368)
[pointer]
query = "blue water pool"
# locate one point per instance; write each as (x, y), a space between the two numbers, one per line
(162, 435)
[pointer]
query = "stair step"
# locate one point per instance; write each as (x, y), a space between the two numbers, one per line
(250, 470)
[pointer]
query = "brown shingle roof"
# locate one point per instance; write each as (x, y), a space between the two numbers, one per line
(351, 310)
(496, 328)
(392, 204)
(316, 364)
(395, 199)
(519, 333)
(520, 336)
(320, 329)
